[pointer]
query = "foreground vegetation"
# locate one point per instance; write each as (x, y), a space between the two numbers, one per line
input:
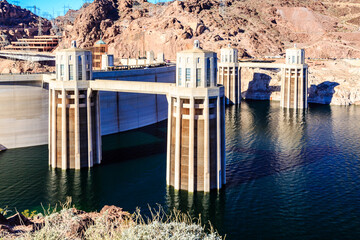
(110, 223)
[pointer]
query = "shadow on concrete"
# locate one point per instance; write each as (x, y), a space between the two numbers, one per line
(322, 93)
(259, 88)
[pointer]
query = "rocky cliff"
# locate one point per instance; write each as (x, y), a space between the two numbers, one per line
(256, 28)
(16, 22)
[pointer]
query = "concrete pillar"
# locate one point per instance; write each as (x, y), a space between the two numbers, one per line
(218, 142)
(234, 86)
(168, 150)
(64, 164)
(98, 129)
(177, 144)
(77, 130)
(228, 86)
(53, 128)
(223, 160)
(191, 146)
(288, 89)
(49, 126)
(89, 129)
(206, 145)
(296, 79)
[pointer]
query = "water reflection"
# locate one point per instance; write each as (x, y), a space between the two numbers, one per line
(208, 206)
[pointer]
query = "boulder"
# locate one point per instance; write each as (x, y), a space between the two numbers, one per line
(3, 219)
(18, 219)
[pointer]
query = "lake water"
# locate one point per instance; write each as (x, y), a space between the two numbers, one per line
(290, 175)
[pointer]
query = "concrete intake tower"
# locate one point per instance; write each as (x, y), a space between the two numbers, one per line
(74, 121)
(294, 83)
(229, 75)
(196, 128)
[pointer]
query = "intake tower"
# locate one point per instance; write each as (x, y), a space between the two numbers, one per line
(294, 83)
(74, 121)
(196, 149)
(229, 75)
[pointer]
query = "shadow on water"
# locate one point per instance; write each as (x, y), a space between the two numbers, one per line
(204, 206)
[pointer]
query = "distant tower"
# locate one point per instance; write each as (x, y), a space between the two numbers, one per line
(40, 27)
(294, 82)
(196, 149)
(74, 124)
(100, 48)
(229, 75)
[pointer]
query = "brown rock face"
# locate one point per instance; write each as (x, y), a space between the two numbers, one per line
(114, 213)
(256, 28)
(16, 22)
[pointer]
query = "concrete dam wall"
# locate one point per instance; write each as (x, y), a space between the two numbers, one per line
(24, 106)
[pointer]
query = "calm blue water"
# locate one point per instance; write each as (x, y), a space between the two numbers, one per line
(290, 175)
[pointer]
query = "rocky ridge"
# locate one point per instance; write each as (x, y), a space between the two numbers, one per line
(16, 22)
(256, 28)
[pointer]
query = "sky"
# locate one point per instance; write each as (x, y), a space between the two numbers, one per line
(52, 7)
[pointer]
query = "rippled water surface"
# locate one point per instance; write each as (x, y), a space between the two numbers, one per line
(290, 175)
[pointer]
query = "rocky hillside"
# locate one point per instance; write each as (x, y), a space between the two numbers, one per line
(257, 28)
(16, 22)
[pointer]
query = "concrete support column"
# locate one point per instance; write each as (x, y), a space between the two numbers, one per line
(53, 128)
(168, 150)
(282, 90)
(223, 142)
(64, 164)
(89, 129)
(306, 86)
(239, 85)
(98, 128)
(218, 143)
(228, 85)
(177, 144)
(296, 79)
(289, 87)
(49, 126)
(234, 86)
(191, 185)
(77, 130)
(302, 98)
(206, 145)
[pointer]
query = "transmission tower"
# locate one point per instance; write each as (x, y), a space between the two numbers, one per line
(40, 26)
(66, 7)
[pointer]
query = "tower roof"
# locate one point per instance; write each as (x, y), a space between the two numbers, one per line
(196, 49)
(100, 42)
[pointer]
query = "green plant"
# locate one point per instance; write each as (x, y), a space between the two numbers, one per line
(29, 214)
(4, 211)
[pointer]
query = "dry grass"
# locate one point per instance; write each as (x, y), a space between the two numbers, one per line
(159, 225)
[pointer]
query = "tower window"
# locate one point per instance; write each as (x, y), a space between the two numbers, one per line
(71, 72)
(230, 58)
(293, 59)
(198, 77)
(61, 71)
(79, 68)
(208, 71)
(198, 60)
(188, 71)
(179, 76)
(87, 75)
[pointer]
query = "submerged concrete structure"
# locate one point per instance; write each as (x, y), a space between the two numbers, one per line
(294, 82)
(74, 117)
(196, 149)
(229, 75)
